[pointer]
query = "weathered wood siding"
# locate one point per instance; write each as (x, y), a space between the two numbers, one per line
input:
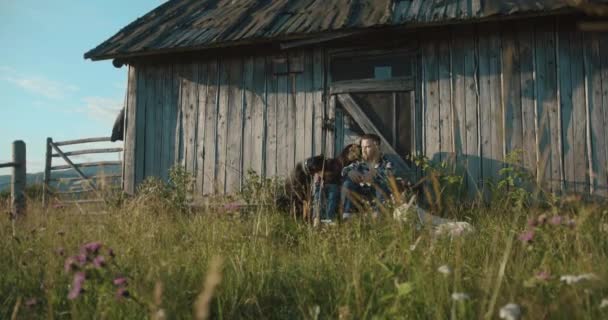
(221, 117)
(482, 92)
(537, 86)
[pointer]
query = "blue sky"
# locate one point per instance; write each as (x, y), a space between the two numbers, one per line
(47, 89)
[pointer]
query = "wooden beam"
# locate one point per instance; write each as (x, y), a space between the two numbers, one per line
(372, 85)
(71, 164)
(112, 176)
(88, 164)
(8, 165)
(79, 141)
(349, 104)
(88, 151)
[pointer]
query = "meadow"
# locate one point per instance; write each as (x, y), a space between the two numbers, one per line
(148, 256)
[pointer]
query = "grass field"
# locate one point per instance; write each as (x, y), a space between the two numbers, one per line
(264, 265)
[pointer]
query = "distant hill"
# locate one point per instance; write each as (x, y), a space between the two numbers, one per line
(33, 178)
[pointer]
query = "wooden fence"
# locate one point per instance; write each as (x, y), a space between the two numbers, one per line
(18, 178)
(89, 184)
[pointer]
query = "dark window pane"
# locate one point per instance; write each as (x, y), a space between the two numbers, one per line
(379, 67)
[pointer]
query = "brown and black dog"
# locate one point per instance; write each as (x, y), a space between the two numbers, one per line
(297, 187)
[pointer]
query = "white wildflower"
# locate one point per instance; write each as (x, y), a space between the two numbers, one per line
(444, 269)
(460, 296)
(604, 303)
(573, 279)
(510, 311)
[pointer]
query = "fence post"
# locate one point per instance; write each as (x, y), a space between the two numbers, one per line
(47, 172)
(18, 179)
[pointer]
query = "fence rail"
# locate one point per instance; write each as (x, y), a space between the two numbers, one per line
(18, 178)
(53, 150)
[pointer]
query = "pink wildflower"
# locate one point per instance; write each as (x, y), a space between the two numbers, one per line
(91, 247)
(532, 222)
(99, 262)
(76, 290)
(556, 220)
(527, 236)
(120, 281)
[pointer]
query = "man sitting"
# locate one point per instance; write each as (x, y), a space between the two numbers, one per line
(367, 179)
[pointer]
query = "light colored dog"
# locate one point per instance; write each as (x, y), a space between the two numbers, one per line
(410, 211)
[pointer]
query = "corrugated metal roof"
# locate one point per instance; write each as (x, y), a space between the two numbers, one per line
(195, 24)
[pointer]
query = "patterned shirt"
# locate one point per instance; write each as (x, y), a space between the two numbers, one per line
(384, 170)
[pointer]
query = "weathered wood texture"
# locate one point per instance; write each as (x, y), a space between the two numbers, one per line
(221, 118)
(537, 87)
(482, 92)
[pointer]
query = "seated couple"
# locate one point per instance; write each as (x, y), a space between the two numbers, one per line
(364, 179)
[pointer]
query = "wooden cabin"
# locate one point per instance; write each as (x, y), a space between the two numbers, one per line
(224, 86)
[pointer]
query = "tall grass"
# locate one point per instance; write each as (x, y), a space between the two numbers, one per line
(268, 266)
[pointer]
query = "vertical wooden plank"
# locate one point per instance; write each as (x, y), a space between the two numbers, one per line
(179, 120)
(471, 97)
(300, 112)
(271, 122)
(446, 125)
(150, 145)
(567, 112)
(317, 95)
(330, 110)
(579, 105)
(248, 116)
(222, 123)
(283, 125)
(258, 107)
(339, 130)
(130, 145)
(158, 120)
(307, 86)
(290, 147)
(164, 124)
(234, 125)
(602, 173)
(330, 128)
(200, 126)
(189, 86)
(458, 84)
(496, 103)
(211, 129)
(549, 137)
(465, 105)
(431, 83)
(593, 73)
(417, 111)
(511, 71)
(525, 37)
(486, 83)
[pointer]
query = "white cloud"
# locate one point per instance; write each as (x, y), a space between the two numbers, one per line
(39, 85)
(102, 109)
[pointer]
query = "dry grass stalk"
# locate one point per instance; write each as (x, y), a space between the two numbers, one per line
(213, 279)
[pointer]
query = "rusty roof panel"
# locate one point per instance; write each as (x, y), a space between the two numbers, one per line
(196, 24)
